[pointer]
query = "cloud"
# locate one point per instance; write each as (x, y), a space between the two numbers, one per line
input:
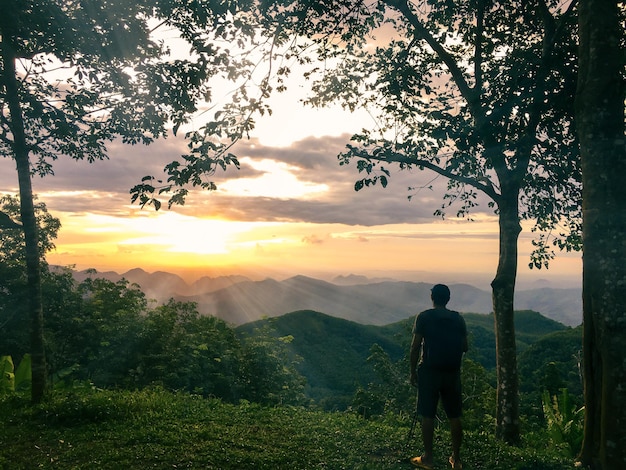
(312, 240)
(312, 187)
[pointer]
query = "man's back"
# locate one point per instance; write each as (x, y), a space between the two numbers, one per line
(444, 338)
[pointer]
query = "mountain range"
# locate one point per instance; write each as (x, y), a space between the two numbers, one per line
(239, 300)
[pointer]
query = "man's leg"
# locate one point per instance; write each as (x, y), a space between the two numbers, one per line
(427, 399)
(428, 431)
(451, 398)
(456, 433)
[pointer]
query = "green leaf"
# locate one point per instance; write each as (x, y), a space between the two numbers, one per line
(23, 374)
(7, 377)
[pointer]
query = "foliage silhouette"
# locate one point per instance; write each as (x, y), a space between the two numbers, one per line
(73, 81)
(479, 94)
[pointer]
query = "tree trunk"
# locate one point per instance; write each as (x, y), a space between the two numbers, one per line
(503, 292)
(27, 210)
(600, 125)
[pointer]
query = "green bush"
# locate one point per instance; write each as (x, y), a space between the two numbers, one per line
(564, 422)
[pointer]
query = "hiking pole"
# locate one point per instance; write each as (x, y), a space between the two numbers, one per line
(409, 438)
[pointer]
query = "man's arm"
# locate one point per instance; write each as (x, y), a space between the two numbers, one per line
(465, 343)
(416, 351)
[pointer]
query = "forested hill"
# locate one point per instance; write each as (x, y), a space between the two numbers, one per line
(333, 353)
(239, 300)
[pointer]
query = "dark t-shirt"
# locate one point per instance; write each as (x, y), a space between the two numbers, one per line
(444, 332)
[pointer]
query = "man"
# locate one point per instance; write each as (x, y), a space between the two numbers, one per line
(439, 341)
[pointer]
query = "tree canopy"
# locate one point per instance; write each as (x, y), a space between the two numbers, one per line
(78, 75)
(480, 93)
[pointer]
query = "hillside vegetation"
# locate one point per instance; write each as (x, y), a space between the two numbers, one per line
(331, 353)
(94, 429)
(335, 355)
(138, 385)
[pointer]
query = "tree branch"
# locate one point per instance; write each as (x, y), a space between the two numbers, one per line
(478, 50)
(8, 222)
(552, 30)
(482, 184)
(470, 94)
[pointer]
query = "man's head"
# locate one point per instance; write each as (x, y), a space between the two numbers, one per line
(440, 295)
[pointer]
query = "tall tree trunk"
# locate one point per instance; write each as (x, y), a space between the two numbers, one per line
(600, 125)
(503, 292)
(27, 209)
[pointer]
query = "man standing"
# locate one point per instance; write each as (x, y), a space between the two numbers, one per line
(439, 341)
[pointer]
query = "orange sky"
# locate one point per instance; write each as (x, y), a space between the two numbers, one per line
(458, 252)
(290, 209)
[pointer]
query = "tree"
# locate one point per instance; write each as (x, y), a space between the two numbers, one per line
(107, 326)
(390, 392)
(13, 292)
(600, 100)
(269, 371)
(183, 350)
(477, 92)
(76, 75)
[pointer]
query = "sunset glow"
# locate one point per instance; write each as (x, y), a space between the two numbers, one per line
(195, 246)
(276, 180)
(291, 209)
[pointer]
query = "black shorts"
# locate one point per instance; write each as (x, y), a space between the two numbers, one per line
(433, 384)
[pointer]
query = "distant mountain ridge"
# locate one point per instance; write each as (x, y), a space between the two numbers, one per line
(161, 285)
(239, 300)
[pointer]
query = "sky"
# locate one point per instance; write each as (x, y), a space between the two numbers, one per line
(290, 209)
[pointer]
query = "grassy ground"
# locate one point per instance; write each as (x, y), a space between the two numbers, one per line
(156, 429)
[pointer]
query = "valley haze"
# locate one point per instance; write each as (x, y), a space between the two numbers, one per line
(237, 299)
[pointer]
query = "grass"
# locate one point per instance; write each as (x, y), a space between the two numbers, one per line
(158, 429)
